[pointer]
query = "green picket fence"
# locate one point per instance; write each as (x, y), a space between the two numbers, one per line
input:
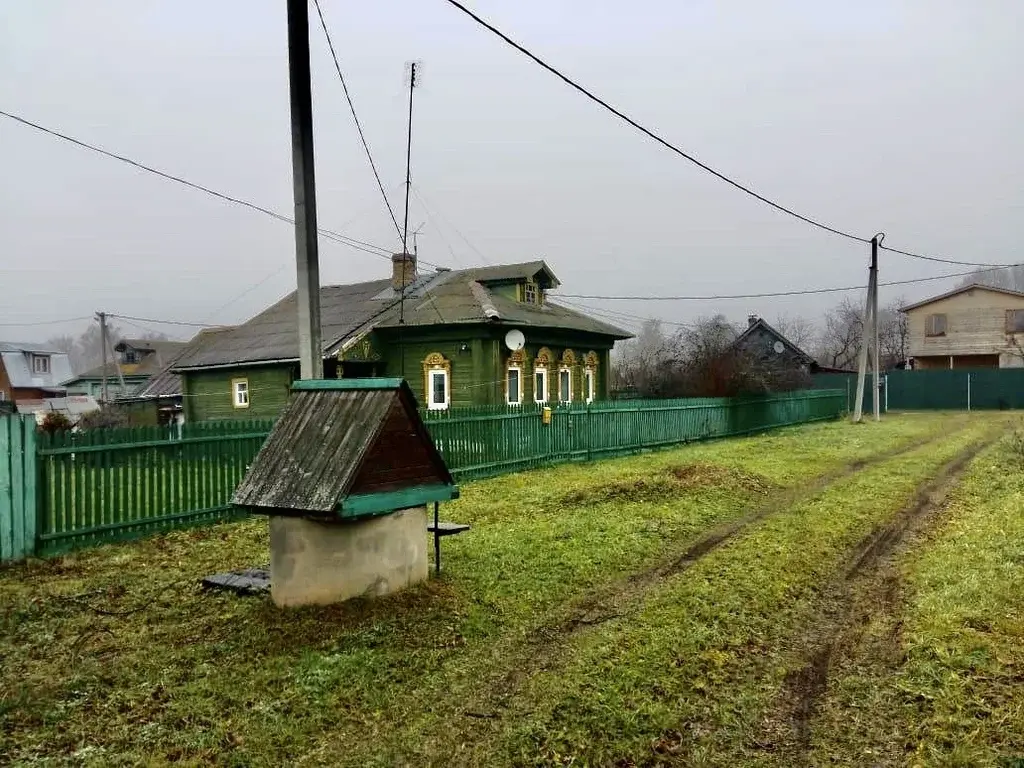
(105, 485)
(71, 490)
(493, 440)
(18, 501)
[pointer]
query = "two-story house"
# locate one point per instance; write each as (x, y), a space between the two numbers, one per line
(975, 326)
(32, 371)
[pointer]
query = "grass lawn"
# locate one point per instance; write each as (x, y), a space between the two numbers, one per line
(593, 611)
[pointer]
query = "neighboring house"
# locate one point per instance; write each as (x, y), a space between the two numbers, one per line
(73, 407)
(447, 338)
(30, 371)
(135, 362)
(159, 401)
(976, 326)
(770, 348)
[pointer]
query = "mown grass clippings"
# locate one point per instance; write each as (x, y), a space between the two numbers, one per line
(115, 655)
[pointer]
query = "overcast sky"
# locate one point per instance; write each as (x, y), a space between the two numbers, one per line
(881, 115)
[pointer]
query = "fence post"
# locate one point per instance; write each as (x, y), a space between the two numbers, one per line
(968, 393)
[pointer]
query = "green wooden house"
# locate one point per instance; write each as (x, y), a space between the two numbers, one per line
(446, 332)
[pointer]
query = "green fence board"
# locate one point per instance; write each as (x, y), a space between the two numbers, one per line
(18, 507)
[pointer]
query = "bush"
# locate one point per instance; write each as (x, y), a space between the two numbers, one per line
(55, 421)
(108, 417)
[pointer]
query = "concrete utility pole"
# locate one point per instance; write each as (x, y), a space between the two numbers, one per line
(102, 317)
(874, 327)
(869, 337)
(307, 262)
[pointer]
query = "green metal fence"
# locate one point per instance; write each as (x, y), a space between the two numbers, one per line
(965, 389)
(71, 490)
(492, 440)
(104, 485)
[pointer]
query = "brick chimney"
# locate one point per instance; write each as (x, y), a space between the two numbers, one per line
(751, 320)
(403, 270)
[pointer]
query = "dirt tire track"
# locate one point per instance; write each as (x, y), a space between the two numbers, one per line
(868, 589)
(542, 647)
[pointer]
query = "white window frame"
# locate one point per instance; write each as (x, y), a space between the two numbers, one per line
(519, 388)
(542, 396)
(589, 384)
(528, 289)
(431, 405)
(567, 371)
(240, 393)
(40, 364)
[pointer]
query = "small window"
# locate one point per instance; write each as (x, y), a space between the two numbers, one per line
(130, 357)
(530, 293)
(565, 385)
(240, 392)
(540, 385)
(588, 383)
(438, 390)
(40, 364)
(514, 385)
(935, 325)
(1015, 321)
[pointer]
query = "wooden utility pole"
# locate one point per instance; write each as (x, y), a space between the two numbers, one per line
(869, 337)
(102, 317)
(307, 262)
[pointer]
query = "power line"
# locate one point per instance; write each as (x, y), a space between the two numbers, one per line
(36, 323)
(943, 260)
(428, 208)
(648, 132)
(358, 245)
(687, 156)
(159, 322)
(801, 292)
(355, 117)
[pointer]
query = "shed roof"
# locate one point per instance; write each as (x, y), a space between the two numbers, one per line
(961, 289)
(348, 312)
(317, 453)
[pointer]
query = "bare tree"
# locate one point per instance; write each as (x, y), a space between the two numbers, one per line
(839, 343)
(638, 360)
(797, 329)
(1011, 278)
(893, 334)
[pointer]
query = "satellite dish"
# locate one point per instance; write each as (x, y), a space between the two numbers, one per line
(515, 340)
(779, 347)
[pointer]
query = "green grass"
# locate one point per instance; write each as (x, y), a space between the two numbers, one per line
(114, 656)
(955, 697)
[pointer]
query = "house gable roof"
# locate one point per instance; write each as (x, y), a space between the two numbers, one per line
(762, 324)
(962, 289)
(348, 312)
(16, 358)
(160, 354)
(167, 383)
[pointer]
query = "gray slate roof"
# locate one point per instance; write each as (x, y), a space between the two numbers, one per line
(167, 383)
(446, 297)
(17, 358)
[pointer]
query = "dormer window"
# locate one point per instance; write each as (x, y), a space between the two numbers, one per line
(130, 356)
(530, 292)
(40, 363)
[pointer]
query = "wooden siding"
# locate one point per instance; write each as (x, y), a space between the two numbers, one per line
(400, 457)
(975, 325)
(208, 395)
